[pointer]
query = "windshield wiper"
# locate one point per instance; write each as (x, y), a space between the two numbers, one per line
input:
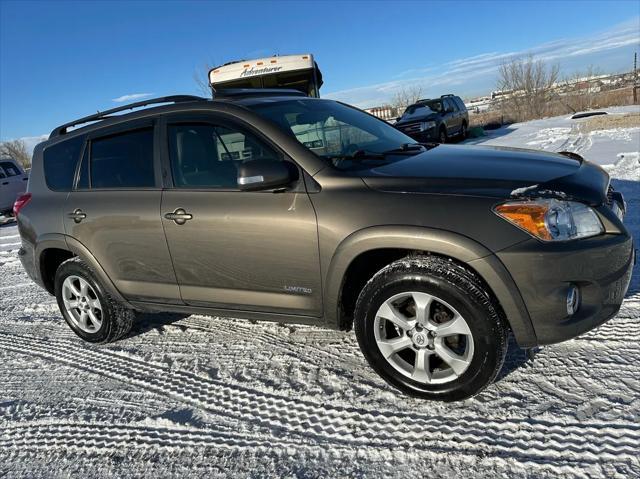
(404, 149)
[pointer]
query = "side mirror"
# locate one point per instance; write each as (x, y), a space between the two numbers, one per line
(265, 174)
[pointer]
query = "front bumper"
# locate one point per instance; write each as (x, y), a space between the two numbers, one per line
(425, 136)
(600, 267)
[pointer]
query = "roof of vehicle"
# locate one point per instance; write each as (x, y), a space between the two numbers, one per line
(426, 100)
(260, 66)
(241, 96)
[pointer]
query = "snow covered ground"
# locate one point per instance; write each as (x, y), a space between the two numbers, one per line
(220, 397)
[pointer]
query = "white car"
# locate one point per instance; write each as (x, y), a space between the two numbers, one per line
(13, 182)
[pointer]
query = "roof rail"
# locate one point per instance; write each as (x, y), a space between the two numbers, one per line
(251, 92)
(101, 115)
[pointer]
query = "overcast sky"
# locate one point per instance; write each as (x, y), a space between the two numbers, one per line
(63, 60)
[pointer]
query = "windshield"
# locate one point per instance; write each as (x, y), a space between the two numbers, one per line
(341, 134)
(422, 109)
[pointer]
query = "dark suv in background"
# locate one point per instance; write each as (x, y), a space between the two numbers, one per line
(435, 119)
(269, 205)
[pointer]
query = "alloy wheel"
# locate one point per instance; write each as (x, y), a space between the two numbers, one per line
(82, 304)
(423, 337)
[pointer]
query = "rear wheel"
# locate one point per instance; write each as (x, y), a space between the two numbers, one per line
(87, 308)
(463, 131)
(429, 328)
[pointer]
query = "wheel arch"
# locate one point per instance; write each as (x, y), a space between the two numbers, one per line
(65, 247)
(378, 246)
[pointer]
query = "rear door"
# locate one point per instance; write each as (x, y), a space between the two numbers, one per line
(252, 251)
(114, 211)
(13, 182)
(453, 120)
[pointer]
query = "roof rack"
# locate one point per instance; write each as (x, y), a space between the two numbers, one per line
(251, 92)
(101, 115)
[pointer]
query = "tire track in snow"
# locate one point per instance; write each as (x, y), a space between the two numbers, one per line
(531, 439)
(105, 438)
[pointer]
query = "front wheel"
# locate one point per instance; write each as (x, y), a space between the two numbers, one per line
(442, 136)
(428, 327)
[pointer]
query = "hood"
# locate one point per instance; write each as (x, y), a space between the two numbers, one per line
(416, 119)
(491, 171)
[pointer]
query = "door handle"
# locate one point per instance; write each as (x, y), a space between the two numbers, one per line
(77, 215)
(179, 216)
(5, 182)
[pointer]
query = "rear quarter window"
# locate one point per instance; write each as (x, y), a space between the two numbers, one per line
(60, 163)
(10, 168)
(460, 104)
(124, 160)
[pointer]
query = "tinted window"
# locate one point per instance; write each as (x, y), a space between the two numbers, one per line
(60, 163)
(331, 130)
(417, 111)
(206, 156)
(460, 104)
(123, 161)
(83, 177)
(448, 103)
(2, 175)
(10, 168)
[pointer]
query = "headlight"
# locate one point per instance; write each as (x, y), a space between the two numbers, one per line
(426, 125)
(552, 220)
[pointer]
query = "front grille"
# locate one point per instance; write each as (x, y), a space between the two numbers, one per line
(411, 128)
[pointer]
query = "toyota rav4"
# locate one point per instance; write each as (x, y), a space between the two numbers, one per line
(270, 205)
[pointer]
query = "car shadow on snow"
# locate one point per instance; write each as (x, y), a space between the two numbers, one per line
(489, 135)
(146, 322)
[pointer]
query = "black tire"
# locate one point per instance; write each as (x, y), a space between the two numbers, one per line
(461, 289)
(442, 135)
(117, 320)
(463, 131)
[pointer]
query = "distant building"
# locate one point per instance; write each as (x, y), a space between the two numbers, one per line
(385, 112)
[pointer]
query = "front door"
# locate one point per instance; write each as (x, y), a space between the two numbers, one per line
(114, 211)
(252, 251)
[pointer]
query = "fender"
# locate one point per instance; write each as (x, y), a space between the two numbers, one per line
(442, 242)
(61, 241)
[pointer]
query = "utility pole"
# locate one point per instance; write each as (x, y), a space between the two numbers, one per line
(636, 84)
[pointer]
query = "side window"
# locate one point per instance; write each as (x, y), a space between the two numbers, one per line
(460, 104)
(450, 104)
(60, 163)
(83, 178)
(207, 156)
(124, 160)
(2, 175)
(10, 168)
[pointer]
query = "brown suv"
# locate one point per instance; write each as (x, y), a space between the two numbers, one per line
(270, 205)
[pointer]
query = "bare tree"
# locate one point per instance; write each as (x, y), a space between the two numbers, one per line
(201, 77)
(17, 150)
(527, 85)
(406, 96)
(580, 88)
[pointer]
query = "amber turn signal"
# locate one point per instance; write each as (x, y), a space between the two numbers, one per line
(529, 216)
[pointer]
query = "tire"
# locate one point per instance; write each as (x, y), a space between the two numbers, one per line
(463, 131)
(108, 320)
(442, 135)
(482, 344)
